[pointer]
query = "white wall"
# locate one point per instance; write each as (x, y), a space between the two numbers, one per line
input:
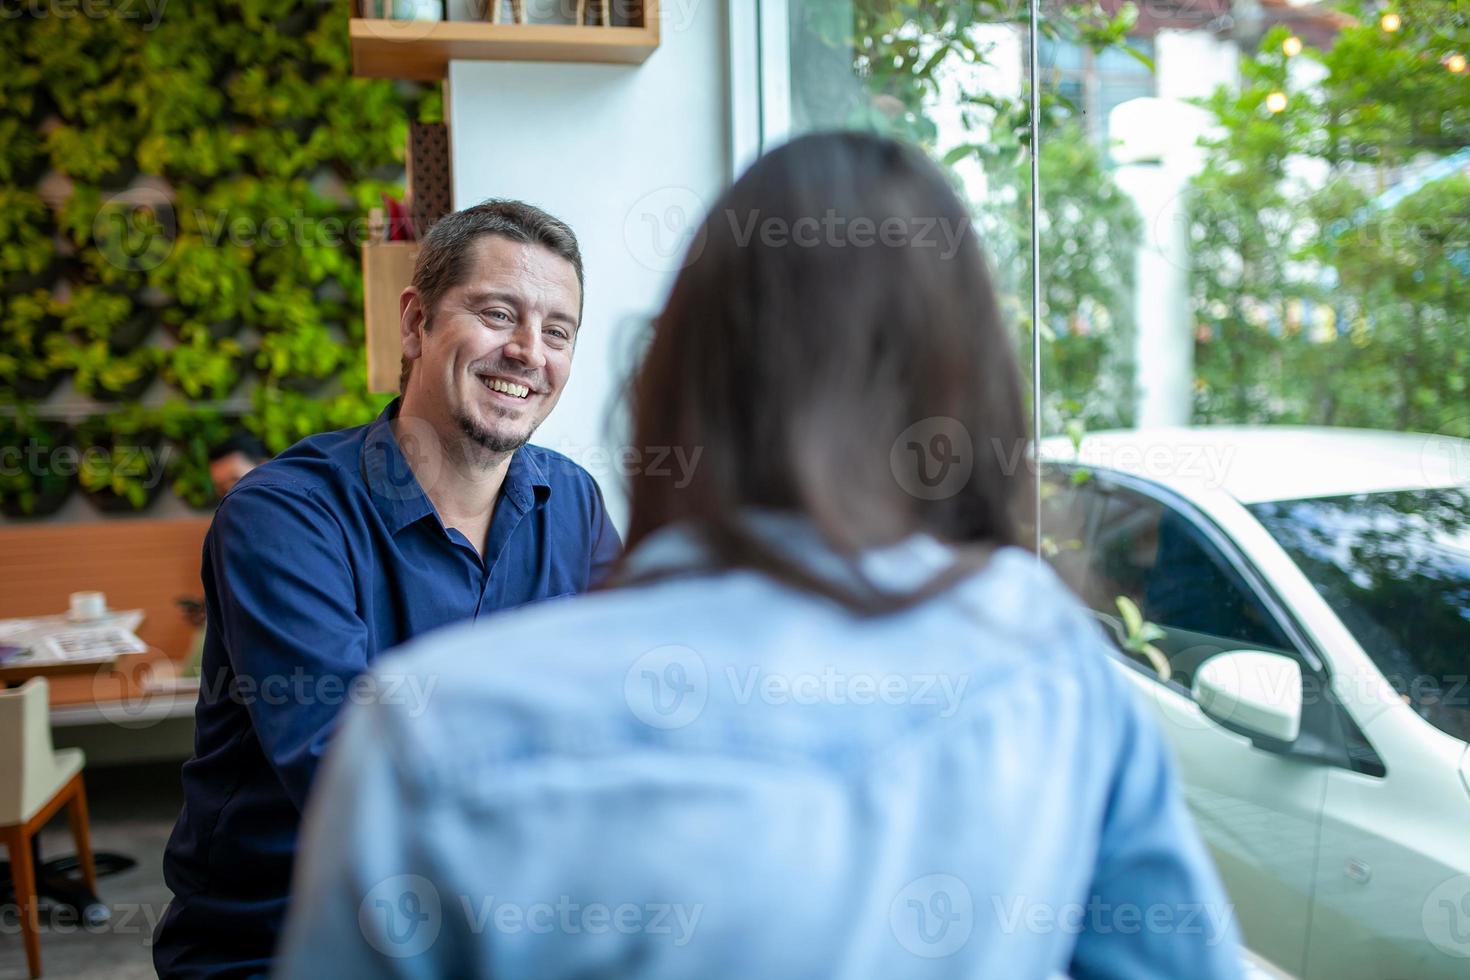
(629, 156)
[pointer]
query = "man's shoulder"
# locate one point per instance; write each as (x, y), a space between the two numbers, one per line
(317, 473)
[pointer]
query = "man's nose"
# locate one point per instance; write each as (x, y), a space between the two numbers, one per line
(526, 348)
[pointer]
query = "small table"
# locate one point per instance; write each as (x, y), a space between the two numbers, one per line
(31, 632)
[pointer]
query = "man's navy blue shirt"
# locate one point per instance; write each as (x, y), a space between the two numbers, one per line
(317, 562)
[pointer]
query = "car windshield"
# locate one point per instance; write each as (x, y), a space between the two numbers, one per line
(1396, 568)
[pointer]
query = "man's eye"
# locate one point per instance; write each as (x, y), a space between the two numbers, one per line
(500, 315)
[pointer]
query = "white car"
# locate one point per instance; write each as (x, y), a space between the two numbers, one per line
(1310, 591)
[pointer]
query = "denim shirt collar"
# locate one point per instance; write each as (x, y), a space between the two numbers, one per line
(900, 567)
(396, 491)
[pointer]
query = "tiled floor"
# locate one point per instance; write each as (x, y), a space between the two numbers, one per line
(133, 809)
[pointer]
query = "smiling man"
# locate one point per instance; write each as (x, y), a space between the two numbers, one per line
(352, 542)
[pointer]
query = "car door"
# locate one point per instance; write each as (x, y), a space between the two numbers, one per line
(1259, 811)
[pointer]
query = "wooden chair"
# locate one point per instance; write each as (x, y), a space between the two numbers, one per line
(35, 782)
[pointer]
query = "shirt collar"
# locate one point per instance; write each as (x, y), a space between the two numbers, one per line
(396, 491)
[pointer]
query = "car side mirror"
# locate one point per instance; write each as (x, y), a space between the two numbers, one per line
(1254, 693)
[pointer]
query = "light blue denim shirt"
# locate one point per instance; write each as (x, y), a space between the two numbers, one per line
(718, 776)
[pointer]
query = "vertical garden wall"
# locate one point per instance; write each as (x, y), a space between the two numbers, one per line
(183, 192)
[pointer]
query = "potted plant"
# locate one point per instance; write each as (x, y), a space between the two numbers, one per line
(37, 482)
(27, 241)
(21, 161)
(192, 432)
(212, 280)
(101, 373)
(98, 313)
(26, 322)
(301, 359)
(100, 153)
(118, 237)
(123, 464)
(201, 367)
(281, 418)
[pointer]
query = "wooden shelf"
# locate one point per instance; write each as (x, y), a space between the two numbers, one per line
(387, 267)
(422, 50)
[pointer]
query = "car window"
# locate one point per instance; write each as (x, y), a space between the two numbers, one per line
(1137, 548)
(1395, 567)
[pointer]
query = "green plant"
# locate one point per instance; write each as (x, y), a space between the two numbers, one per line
(1329, 302)
(200, 367)
(120, 459)
(211, 279)
(26, 246)
(250, 112)
(33, 482)
(101, 373)
(1139, 636)
(192, 432)
(25, 322)
(281, 418)
(93, 313)
(308, 352)
(20, 150)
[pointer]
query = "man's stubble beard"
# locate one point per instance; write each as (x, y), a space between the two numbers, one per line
(487, 440)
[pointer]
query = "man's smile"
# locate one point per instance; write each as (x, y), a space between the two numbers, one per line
(504, 386)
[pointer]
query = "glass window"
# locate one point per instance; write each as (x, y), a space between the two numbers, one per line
(1158, 559)
(1396, 568)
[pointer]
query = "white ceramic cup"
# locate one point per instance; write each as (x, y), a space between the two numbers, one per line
(88, 605)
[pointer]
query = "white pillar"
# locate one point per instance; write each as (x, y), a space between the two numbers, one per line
(1156, 156)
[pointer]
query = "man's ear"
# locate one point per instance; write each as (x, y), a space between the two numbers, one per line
(411, 323)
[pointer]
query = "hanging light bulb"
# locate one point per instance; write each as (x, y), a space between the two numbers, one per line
(1390, 22)
(1276, 102)
(1292, 46)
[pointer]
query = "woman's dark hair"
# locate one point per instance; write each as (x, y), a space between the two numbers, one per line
(835, 298)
